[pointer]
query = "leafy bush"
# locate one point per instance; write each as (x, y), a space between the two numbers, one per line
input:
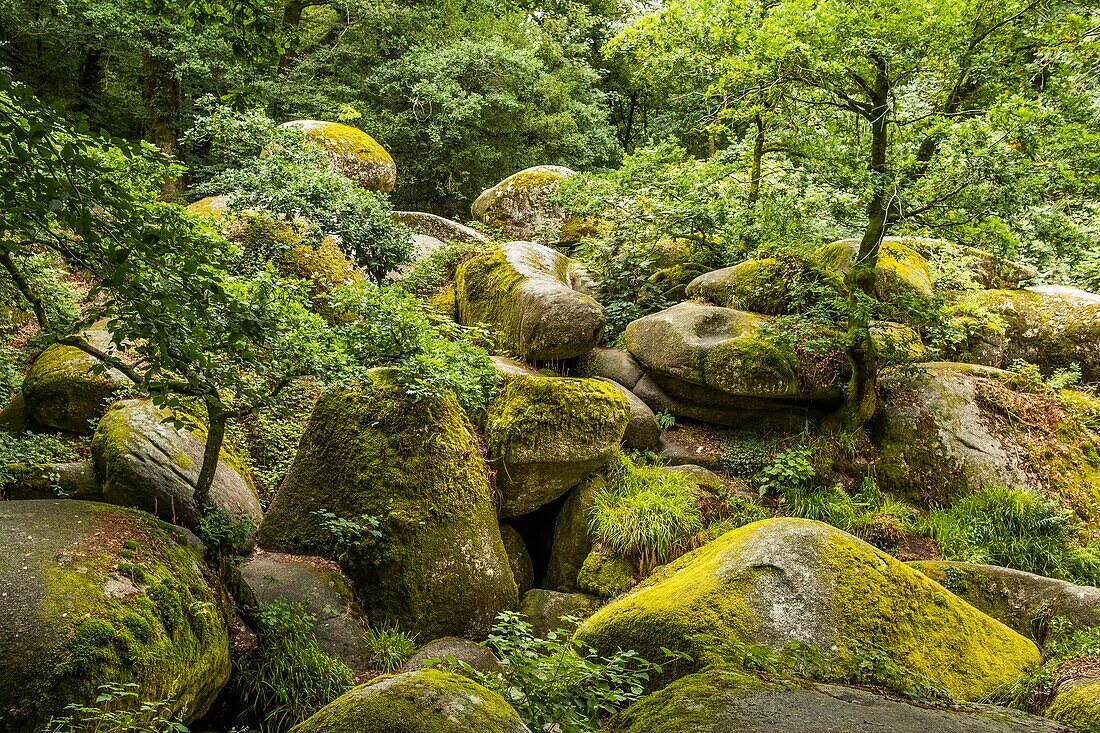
(428, 274)
(1015, 529)
(645, 513)
(117, 709)
(347, 534)
(559, 683)
(31, 449)
(389, 646)
(790, 470)
(286, 677)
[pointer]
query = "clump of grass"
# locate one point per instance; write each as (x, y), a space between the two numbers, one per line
(1015, 529)
(868, 513)
(389, 646)
(286, 678)
(1064, 646)
(645, 513)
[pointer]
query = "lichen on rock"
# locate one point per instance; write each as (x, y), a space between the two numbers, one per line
(353, 152)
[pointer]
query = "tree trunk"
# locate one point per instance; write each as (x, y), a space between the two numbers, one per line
(292, 18)
(757, 161)
(92, 73)
(862, 359)
(216, 419)
(161, 97)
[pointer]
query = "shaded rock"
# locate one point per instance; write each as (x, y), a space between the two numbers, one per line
(642, 432)
(675, 453)
(897, 343)
(1022, 601)
(1051, 326)
(934, 440)
(547, 433)
(439, 567)
(417, 702)
(783, 580)
(534, 297)
(511, 368)
(571, 543)
(901, 269)
(521, 204)
(322, 590)
(442, 229)
(1077, 703)
(13, 418)
(766, 285)
(64, 388)
(605, 575)
(725, 700)
(147, 463)
(614, 364)
(94, 594)
(523, 570)
(464, 650)
(544, 610)
(353, 152)
(74, 480)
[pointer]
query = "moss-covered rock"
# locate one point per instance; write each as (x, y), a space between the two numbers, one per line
(426, 701)
(534, 298)
(954, 265)
(93, 594)
(783, 580)
(1053, 327)
(148, 463)
(719, 365)
(523, 570)
(643, 431)
(725, 700)
(571, 543)
(544, 609)
(934, 437)
(769, 285)
(901, 269)
(476, 655)
(547, 433)
(614, 364)
(211, 207)
(1077, 704)
(353, 152)
(440, 567)
(605, 575)
(72, 480)
(1022, 601)
(896, 343)
(521, 205)
(435, 226)
(66, 389)
(321, 590)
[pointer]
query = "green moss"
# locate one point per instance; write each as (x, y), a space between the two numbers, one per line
(900, 267)
(425, 701)
(354, 153)
(63, 390)
(605, 575)
(1077, 704)
(680, 707)
(484, 286)
(752, 365)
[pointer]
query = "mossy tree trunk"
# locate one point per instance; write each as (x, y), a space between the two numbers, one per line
(216, 419)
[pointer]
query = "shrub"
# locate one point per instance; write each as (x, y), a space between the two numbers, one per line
(790, 470)
(428, 274)
(1015, 529)
(117, 709)
(286, 677)
(645, 513)
(389, 646)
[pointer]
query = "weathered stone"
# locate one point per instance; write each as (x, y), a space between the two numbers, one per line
(534, 297)
(901, 269)
(762, 286)
(147, 463)
(725, 700)
(783, 580)
(13, 418)
(544, 610)
(642, 432)
(605, 575)
(440, 567)
(414, 702)
(463, 650)
(1022, 601)
(73, 480)
(320, 588)
(521, 205)
(523, 570)
(353, 152)
(212, 207)
(571, 541)
(984, 269)
(94, 594)
(547, 433)
(614, 364)
(442, 229)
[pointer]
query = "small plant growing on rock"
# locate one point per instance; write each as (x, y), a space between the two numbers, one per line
(117, 709)
(389, 646)
(349, 534)
(791, 469)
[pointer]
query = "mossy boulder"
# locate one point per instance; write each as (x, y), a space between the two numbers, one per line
(769, 285)
(353, 152)
(67, 389)
(211, 207)
(146, 462)
(782, 580)
(439, 567)
(534, 298)
(320, 589)
(94, 594)
(896, 343)
(545, 434)
(1022, 601)
(605, 574)
(722, 700)
(544, 609)
(956, 264)
(614, 364)
(721, 365)
(425, 701)
(476, 655)
(1077, 704)
(643, 431)
(571, 543)
(901, 269)
(522, 206)
(523, 570)
(438, 227)
(1051, 326)
(71, 480)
